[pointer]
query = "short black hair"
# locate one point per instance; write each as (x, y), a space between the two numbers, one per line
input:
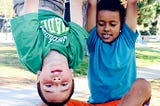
(54, 103)
(112, 5)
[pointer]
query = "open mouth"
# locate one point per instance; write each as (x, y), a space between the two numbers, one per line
(106, 36)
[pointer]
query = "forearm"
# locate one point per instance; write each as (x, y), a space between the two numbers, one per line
(91, 14)
(74, 6)
(30, 6)
(131, 14)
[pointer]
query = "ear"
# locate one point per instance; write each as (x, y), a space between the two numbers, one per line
(38, 76)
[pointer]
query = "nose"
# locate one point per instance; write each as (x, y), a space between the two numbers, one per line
(56, 77)
(106, 28)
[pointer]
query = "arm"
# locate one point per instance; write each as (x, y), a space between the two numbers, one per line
(91, 14)
(74, 6)
(30, 6)
(131, 14)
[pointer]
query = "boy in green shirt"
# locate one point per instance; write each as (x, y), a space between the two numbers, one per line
(49, 47)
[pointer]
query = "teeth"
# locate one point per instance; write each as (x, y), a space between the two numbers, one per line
(106, 36)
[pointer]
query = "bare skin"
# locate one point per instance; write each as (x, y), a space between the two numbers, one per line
(55, 78)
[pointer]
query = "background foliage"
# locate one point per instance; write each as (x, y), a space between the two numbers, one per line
(148, 16)
(6, 8)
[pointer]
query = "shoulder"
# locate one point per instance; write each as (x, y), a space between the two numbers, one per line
(127, 29)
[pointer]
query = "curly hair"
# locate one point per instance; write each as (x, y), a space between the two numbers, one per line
(112, 5)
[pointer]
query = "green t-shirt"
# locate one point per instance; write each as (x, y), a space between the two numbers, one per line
(36, 34)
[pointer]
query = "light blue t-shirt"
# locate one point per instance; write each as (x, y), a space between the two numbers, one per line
(112, 67)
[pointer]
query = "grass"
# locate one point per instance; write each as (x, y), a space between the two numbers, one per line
(83, 67)
(147, 56)
(8, 56)
(13, 74)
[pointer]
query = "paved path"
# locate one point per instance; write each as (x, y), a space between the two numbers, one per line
(28, 96)
(19, 97)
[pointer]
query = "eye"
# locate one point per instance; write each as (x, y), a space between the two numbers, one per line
(64, 84)
(48, 85)
(101, 23)
(113, 24)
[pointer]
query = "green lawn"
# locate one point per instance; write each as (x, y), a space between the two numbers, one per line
(12, 73)
(147, 56)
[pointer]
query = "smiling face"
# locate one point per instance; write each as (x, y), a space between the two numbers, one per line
(108, 25)
(55, 78)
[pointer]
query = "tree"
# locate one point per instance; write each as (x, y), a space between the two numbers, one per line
(6, 8)
(148, 12)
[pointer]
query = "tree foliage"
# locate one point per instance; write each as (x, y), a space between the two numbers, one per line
(6, 8)
(148, 12)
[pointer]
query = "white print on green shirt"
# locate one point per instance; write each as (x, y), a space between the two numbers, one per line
(55, 26)
(53, 37)
(54, 29)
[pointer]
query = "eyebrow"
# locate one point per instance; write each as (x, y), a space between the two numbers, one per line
(109, 21)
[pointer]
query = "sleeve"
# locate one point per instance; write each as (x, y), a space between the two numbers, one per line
(77, 36)
(129, 36)
(92, 39)
(28, 40)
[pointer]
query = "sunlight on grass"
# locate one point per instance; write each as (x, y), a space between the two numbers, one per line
(10, 65)
(10, 71)
(147, 56)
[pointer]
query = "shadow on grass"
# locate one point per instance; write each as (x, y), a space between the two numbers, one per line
(148, 54)
(16, 81)
(9, 56)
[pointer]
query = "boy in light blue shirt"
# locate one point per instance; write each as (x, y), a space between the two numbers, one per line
(112, 59)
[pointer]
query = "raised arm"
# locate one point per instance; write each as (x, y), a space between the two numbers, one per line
(30, 6)
(91, 14)
(74, 6)
(131, 14)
